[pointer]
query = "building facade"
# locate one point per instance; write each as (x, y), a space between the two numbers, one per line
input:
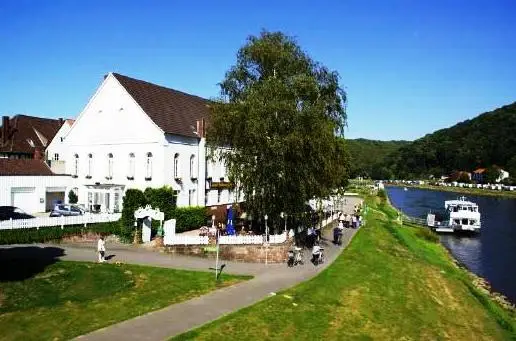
(134, 134)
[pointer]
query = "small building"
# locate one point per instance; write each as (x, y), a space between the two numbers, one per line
(26, 137)
(478, 175)
(30, 185)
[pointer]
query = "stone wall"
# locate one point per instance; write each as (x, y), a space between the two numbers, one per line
(276, 253)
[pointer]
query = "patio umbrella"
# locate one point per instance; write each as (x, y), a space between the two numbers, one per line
(230, 227)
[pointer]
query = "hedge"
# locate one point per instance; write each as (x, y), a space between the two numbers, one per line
(47, 234)
(189, 218)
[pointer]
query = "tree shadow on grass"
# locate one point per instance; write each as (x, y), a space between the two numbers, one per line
(20, 263)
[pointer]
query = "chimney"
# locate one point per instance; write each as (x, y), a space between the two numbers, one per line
(61, 121)
(200, 128)
(5, 129)
(37, 154)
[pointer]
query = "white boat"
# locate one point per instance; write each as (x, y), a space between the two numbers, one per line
(462, 215)
(405, 188)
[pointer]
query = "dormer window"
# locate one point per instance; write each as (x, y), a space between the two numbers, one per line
(31, 143)
(193, 170)
(177, 176)
(90, 166)
(130, 167)
(109, 174)
(148, 167)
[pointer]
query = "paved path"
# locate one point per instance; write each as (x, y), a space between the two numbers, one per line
(180, 317)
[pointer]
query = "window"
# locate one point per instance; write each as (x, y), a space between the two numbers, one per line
(90, 166)
(176, 166)
(219, 193)
(148, 167)
(56, 157)
(130, 169)
(209, 169)
(109, 175)
(191, 197)
(193, 172)
(76, 165)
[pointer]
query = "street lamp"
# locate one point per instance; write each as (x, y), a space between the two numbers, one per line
(284, 216)
(266, 243)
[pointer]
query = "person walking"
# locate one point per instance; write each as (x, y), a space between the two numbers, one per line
(101, 249)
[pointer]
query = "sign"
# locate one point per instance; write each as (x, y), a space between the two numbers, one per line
(222, 185)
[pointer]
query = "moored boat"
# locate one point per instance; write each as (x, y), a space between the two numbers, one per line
(461, 214)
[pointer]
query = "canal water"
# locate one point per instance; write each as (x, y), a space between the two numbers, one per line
(490, 254)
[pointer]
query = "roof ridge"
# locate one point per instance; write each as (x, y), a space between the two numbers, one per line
(116, 74)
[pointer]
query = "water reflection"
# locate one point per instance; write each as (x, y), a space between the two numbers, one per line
(490, 254)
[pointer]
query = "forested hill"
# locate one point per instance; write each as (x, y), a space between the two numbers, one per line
(368, 156)
(487, 140)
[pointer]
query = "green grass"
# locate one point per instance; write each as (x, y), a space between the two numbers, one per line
(391, 283)
(68, 299)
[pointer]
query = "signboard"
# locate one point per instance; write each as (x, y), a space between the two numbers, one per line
(222, 185)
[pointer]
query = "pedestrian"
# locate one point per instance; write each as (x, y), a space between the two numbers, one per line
(101, 248)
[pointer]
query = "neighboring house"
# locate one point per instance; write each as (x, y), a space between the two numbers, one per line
(135, 134)
(26, 137)
(30, 185)
(56, 149)
(478, 175)
(503, 175)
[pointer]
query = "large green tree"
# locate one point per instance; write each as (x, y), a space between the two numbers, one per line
(281, 115)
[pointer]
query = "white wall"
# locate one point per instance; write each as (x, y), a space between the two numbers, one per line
(40, 184)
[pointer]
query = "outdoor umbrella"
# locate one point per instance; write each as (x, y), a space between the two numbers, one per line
(230, 227)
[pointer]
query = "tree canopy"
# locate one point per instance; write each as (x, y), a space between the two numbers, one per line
(280, 114)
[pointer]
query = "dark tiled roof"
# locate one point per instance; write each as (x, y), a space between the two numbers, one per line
(23, 128)
(173, 111)
(24, 167)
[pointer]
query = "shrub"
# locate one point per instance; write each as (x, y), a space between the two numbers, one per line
(133, 199)
(162, 198)
(382, 194)
(72, 197)
(189, 218)
(47, 234)
(427, 234)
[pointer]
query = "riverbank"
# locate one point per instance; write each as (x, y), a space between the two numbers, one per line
(390, 283)
(463, 190)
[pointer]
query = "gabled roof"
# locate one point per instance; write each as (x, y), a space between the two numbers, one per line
(175, 112)
(479, 171)
(26, 133)
(24, 167)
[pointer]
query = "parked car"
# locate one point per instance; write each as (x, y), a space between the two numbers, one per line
(11, 212)
(66, 210)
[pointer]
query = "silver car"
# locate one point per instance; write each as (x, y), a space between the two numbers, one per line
(66, 210)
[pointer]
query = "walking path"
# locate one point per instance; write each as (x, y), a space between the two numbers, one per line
(178, 318)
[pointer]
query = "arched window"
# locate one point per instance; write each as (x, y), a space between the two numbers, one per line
(176, 166)
(109, 175)
(130, 167)
(75, 165)
(193, 170)
(90, 166)
(148, 167)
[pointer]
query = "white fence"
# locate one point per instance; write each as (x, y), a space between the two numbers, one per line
(187, 240)
(241, 240)
(278, 238)
(59, 221)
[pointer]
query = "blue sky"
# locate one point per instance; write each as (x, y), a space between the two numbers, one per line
(409, 67)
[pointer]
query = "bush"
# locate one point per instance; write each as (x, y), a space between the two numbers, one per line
(133, 199)
(47, 234)
(72, 197)
(427, 234)
(162, 198)
(189, 218)
(382, 194)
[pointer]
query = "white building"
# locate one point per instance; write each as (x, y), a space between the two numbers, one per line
(56, 149)
(503, 175)
(30, 185)
(134, 134)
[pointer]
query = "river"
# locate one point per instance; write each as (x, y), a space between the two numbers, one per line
(490, 254)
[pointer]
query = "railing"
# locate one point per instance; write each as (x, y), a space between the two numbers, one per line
(240, 240)
(186, 240)
(413, 220)
(59, 221)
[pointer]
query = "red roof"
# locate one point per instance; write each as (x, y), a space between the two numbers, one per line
(479, 171)
(26, 133)
(24, 167)
(175, 112)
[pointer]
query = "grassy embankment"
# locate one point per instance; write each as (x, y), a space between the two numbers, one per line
(391, 283)
(68, 299)
(471, 191)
